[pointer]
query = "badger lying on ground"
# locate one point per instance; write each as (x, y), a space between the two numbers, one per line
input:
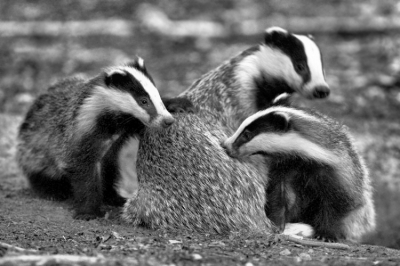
(315, 174)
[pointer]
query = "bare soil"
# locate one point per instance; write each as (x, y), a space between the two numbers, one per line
(34, 231)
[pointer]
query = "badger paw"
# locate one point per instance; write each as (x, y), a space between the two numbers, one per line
(299, 229)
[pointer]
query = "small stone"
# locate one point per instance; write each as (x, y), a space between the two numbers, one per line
(197, 256)
(175, 242)
(249, 264)
(285, 252)
(297, 259)
(305, 256)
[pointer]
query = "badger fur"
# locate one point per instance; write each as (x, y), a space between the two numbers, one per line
(68, 130)
(246, 83)
(187, 181)
(315, 174)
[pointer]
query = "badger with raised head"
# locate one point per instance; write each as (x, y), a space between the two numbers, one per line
(68, 130)
(248, 82)
(315, 174)
(244, 84)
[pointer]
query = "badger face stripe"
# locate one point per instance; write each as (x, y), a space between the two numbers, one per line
(280, 109)
(138, 63)
(314, 61)
(258, 72)
(275, 29)
(105, 99)
(145, 94)
(294, 48)
(289, 143)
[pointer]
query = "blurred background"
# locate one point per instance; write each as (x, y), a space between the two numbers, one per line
(42, 41)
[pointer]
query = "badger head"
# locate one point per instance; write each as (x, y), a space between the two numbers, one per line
(282, 131)
(123, 93)
(131, 90)
(284, 62)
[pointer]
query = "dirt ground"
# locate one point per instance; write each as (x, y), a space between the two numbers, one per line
(34, 231)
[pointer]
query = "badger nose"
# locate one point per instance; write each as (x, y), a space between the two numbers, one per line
(321, 92)
(168, 121)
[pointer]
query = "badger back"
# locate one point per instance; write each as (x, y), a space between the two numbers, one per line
(186, 180)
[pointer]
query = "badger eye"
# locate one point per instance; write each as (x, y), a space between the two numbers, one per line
(246, 134)
(144, 101)
(300, 67)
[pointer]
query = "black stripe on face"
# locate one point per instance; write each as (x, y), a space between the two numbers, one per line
(293, 48)
(128, 83)
(272, 122)
(135, 63)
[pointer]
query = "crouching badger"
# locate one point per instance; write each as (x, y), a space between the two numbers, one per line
(316, 176)
(67, 131)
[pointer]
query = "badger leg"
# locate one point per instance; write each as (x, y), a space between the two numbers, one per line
(50, 187)
(110, 173)
(85, 179)
(42, 168)
(276, 207)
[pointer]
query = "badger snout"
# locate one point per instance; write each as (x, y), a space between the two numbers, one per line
(321, 92)
(167, 121)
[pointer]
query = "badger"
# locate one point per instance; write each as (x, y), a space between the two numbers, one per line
(248, 82)
(243, 85)
(68, 130)
(315, 174)
(188, 182)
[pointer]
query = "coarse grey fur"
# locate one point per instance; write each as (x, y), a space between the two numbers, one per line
(223, 100)
(316, 175)
(69, 128)
(187, 181)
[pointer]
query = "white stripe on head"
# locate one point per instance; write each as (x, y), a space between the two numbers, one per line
(269, 62)
(140, 62)
(275, 29)
(105, 99)
(287, 143)
(290, 112)
(282, 96)
(151, 90)
(314, 62)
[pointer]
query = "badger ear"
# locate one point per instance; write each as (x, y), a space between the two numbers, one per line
(274, 34)
(137, 63)
(283, 99)
(281, 121)
(116, 78)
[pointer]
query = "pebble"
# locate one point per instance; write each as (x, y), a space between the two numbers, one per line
(305, 256)
(285, 252)
(197, 256)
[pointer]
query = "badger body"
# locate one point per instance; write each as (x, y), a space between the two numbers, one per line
(187, 181)
(315, 174)
(246, 83)
(68, 130)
